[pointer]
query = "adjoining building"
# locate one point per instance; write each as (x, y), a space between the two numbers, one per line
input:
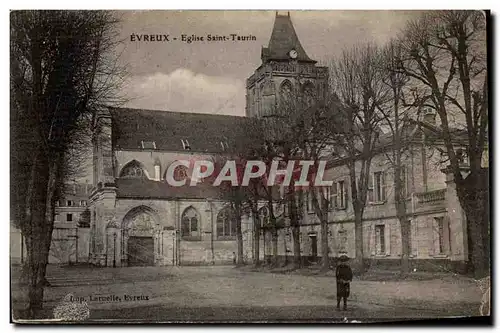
(70, 236)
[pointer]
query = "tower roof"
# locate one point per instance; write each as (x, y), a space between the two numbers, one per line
(283, 40)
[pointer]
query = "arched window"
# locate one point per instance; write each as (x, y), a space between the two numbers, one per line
(264, 216)
(133, 169)
(226, 224)
(190, 229)
(180, 173)
(285, 95)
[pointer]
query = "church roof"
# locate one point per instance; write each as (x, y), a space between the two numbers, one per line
(283, 40)
(146, 188)
(135, 129)
(150, 189)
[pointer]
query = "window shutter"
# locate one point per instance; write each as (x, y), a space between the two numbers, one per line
(434, 238)
(372, 243)
(413, 237)
(408, 182)
(345, 196)
(329, 197)
(387, 235)
(446, 237)
(334, 195)
(403, 181)
(383, 186)
(319, 197)
(371, 186)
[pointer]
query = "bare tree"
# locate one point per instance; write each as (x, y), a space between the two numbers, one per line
(275, 144)
(62, 70)
(445, 56)
(288, 127)
(241, 198)
(357, 92)
(396, 119)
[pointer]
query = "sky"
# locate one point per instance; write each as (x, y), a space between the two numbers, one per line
(209, 77)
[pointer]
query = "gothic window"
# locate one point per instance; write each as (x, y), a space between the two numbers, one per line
(133, 170)
(309, 93)
(226, 224)
(190, 225)
(286, 89)
(180, 173)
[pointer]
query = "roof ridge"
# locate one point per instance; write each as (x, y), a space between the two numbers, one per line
(174, 112)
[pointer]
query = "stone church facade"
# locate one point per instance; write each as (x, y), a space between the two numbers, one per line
(138, 219)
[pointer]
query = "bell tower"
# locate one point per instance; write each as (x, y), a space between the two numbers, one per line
(285, 69)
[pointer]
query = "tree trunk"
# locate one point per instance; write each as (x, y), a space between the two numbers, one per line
(405, 245)
(322, 213)
(400, 202)
(325, 260)
(274, 237)
(358, 262)
(297, 261)
(256, 235)
(37, 243)
(359, 190)
(273, 228)
(473, 196)
(295, 226)
(239, 237)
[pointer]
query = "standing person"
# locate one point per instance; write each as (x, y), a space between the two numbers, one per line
(343, 273)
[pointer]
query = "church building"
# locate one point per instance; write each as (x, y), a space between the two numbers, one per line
(137, 218)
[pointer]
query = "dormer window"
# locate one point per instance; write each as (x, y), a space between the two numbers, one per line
(224, 145)
(148, 144)
(185, 144)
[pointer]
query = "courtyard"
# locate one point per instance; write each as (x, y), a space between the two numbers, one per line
(226, 293)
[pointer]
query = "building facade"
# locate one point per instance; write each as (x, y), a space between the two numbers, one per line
(438, 232)
(137, 218)
(70, 236)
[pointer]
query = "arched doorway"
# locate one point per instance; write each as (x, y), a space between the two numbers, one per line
(138, 242)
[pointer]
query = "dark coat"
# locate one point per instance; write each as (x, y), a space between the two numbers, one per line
(343, 273)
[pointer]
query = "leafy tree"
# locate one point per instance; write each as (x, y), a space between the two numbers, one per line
(62, 71)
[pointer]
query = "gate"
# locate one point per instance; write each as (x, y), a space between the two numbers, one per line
(140, 251)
